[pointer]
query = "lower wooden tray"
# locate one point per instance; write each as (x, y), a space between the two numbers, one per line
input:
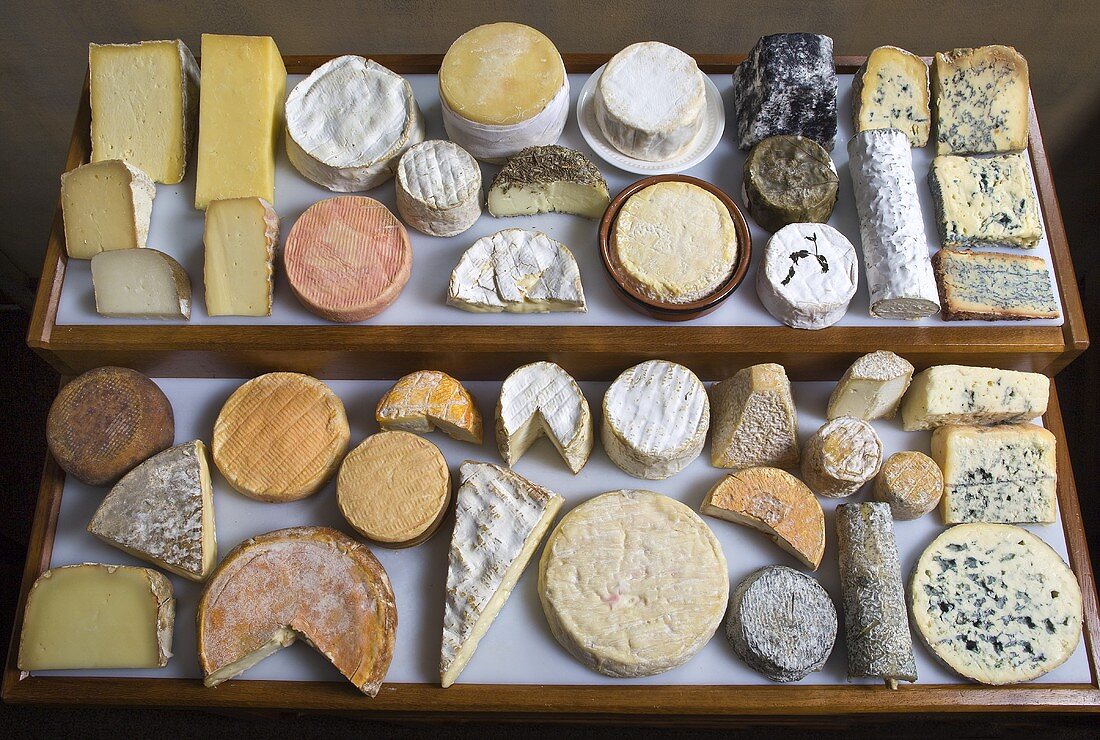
(619, 701)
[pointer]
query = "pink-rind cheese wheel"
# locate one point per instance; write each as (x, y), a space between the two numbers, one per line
(347, 258)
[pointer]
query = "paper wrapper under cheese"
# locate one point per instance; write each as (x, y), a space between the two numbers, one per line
(875, 621)
(891, 226)
(495, 144)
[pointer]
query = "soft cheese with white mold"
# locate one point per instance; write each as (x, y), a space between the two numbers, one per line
(438, 188)
(872, 387)
(808, 275)
(542, 400)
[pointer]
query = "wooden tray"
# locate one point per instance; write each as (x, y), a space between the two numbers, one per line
(588, 352)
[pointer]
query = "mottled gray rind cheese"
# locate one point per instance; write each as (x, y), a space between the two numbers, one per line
(959, 394)
(891, 90)
(891, 226)
(875, 621)
(782, 623)
(980, 99)
(995, 604)
(787, 85)
(992, 286)
(872, 388)
(788, 180)
(1006, 473)
(984, 201)
(911, 483)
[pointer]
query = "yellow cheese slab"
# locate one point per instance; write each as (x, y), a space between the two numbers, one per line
(240, 115)
(239, 247)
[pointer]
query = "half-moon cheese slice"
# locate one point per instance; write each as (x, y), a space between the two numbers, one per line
(426, 400)
(310, 582)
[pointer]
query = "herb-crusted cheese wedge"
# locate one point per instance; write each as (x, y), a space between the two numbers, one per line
(548, 179)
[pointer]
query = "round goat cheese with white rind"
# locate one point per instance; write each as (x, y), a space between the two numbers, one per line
(650, 101)
(655, 419)
(676, 242)
(808, 275)
(438, 188)
(995, 603)
(348, 123)
(633, 583)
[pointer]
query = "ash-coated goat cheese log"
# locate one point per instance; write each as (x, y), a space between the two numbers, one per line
(891, 227)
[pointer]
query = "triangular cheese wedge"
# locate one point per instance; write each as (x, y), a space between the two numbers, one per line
(500, 520)
(162, 511)
(541, 399)
(426, 400)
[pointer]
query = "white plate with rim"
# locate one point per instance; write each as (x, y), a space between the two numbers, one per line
(714, 123)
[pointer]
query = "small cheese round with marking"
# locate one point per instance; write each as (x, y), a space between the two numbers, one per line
(439, 188)
(280, 436)
(106, 421)
(394, 489)
(347, 258)
(633, 583)
(782, 623)
(789, 179)
(650, 101)
(808, 275)
(841, 456)
(911, 483)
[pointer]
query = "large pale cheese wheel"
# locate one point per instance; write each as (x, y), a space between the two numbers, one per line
(310, 582)
(394, 489)
(106, 421)
(347, 258)
(280, 436)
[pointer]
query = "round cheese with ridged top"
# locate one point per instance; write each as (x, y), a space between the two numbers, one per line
(438, 188)
(633, 583)
(841, 456)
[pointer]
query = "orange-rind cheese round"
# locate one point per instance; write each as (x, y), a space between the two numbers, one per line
(426, 400)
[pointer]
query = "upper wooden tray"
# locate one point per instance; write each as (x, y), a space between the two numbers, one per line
(588, 351)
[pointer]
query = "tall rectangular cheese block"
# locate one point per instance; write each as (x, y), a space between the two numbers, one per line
(239, 246)
(144, 99)
(105, 205)
(957, 394)
(1006, 474)
(240, 116)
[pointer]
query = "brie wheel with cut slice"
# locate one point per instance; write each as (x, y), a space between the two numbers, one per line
(542, 400)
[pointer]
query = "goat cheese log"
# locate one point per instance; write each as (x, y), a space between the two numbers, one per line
(891, 227)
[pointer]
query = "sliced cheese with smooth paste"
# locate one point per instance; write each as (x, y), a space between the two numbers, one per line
(239, 240)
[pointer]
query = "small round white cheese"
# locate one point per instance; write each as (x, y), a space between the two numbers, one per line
(808, 275)
(438, 188)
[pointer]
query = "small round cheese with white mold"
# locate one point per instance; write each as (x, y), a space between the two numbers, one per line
(438, 188)
(840, 457)
(911, 483)
(808, 275)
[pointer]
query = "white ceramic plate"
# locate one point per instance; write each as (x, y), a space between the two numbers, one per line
(703, 144)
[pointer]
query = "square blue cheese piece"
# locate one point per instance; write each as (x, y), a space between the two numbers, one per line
(993, 286)
(980, 99)
(787, 85)
(985, 201)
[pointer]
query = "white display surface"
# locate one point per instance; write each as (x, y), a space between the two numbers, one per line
(177, 230)
(519, 648)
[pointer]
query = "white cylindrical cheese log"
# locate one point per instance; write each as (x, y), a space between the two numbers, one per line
(891, 226)
(496, 143)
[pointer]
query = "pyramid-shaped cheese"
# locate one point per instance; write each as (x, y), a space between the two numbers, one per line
(754, 419)
(500, 520)
(162, 512)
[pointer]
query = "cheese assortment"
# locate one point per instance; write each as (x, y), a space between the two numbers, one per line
(981, 100)
(542, 400)
(438, 188)
(105, 205)
(808, 275)
(142, 283)
(891, 90)
(548, 179)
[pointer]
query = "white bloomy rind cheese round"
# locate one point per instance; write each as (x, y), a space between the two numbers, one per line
(438, 188)
(995, 603)
(808, 276)
(348, 123)
(502, 88)
(347, 258)
(650, 101)
(633, 583)
(542, 400)
(655, 419)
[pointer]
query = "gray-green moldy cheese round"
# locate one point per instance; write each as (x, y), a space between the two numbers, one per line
(782, 623)
(789, 179)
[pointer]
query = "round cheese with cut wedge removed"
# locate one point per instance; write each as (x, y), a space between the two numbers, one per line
(347, 258)
(776, 503)
(426, 400)
(633, 583)
(310, 582)
(106, 421)
(841, 456)
(280, 436)
(538, 400)
(394, 489)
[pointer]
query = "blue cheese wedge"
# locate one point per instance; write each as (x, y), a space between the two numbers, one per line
(1005, 473)
(891, 90)
(985, 201)
(995, 603)
(958, 394)
(993, 286)
(980, 98)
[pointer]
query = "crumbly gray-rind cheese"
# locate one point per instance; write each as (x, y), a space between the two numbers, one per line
(782, 623)
(633, 583)
(841, 456)
(995, 604)
(438, 188)
(755, 422)
(984, 201)
(872, 387)
(980, 100)
(875, 621)
(959, 394)
(891, 90)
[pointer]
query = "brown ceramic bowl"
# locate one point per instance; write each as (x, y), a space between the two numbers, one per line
(662, 310)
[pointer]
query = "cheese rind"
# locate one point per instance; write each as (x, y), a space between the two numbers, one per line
(787, 180)
(239, 239)
(958, 394)
(426, 400)
(542, 400)
(755, 422)
(240, 115)
(548, 179)
(633, 583)
(140, 283)
(162, 511)
(841, 456)
(891, 90)
(980, 99)
(1006, 473)
(985, 201)
(500, 520)
(438, 188)
(808, 275)
(871, 388)
(144, 101)
(97, 616)
(105, 205)
(911, 483)
(993, 286)
(349, 122)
